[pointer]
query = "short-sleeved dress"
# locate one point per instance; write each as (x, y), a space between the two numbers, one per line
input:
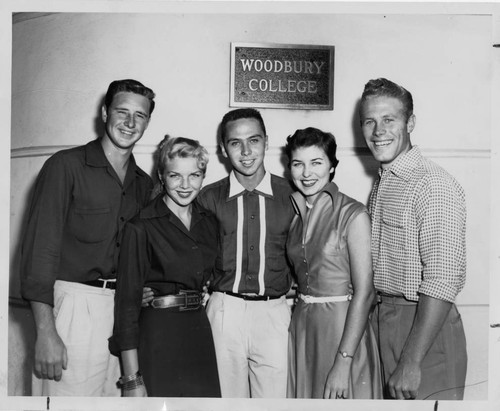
(175, 348)
(317, 249)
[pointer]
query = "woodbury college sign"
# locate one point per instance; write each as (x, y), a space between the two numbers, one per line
(282, 76)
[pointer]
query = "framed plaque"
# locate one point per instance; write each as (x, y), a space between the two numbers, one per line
(282, 76)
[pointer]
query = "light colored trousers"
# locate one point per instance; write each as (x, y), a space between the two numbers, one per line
(251, 345)
(84, 321)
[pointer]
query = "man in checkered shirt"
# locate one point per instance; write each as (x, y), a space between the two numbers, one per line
(418, 247)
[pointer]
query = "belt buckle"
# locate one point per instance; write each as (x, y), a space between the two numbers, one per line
(306, 298)
(106, 281)
(156, 303)
(192, 300)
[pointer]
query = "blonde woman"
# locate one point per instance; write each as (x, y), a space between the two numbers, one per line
(166, 348)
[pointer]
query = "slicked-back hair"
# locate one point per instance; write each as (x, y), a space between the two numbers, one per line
(239, 114)
(383, 87)
(129, 86)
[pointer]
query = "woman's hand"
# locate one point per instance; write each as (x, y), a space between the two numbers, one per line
(139, 391)
(147, 296)
(337, 382)
(205, 295)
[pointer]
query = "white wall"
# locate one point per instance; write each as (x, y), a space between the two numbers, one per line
(63, 63)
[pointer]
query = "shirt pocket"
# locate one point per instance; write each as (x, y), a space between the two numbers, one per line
(92, 225)
(275, 252)
(393, 229)
(393, 239)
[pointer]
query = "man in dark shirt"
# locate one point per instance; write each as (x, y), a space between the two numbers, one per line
(248, 311)
(82, 198)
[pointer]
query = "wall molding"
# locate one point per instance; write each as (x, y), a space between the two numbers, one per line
(47, 151)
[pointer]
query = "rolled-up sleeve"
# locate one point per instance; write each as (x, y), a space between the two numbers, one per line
(441, 239)
(41, 248)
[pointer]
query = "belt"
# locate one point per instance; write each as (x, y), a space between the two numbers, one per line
(247, 297)
(309, 299)
(102, 283)
(186, 300)
(393, 299)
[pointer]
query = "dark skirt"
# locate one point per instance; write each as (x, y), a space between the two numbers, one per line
(176, 354)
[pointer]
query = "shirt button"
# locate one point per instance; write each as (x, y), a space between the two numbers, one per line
(249, 277)
(251, 247)
(307, 273)
(305, 260)
(194, 247)
(252, 216)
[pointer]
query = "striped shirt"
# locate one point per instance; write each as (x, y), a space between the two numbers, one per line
(418, 230)
(253, 228)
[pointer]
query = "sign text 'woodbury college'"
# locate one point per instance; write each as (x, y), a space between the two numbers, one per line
(282, 76)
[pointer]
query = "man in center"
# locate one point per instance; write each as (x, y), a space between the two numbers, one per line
(247, 310)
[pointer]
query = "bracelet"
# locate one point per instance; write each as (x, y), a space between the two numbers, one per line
(344, 354)
(131, 382)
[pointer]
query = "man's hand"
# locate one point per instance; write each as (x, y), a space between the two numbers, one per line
(404, 381)
(50, 356)
(147, 296)
(50, 352)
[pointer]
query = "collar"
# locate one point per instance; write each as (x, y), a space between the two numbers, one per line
(157, 209)
(95, 157)
(299, 201)
(94, 154)
(264, 187)
(403, 167)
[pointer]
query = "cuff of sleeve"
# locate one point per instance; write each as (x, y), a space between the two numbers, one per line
(122, 341)
(439, 289)
(38, 292)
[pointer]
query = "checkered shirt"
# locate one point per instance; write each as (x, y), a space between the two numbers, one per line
(418, 230)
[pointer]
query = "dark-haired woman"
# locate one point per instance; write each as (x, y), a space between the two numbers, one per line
(332, 347)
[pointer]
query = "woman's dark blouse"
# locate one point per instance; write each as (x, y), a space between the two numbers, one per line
(158, 251)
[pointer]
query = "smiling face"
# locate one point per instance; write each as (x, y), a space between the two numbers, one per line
(245, 144)
(310, 169)
(126, 119)
(183, 179)
(385, 128)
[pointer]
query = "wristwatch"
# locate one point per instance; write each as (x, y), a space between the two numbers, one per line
(344, 354)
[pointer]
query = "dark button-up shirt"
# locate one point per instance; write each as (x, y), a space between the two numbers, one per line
(253, 230)
(158, 251)
(77, 214)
